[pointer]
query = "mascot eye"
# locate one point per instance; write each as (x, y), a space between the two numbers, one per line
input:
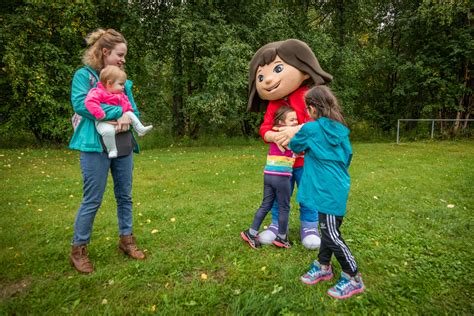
(260, 78)
(278, 68)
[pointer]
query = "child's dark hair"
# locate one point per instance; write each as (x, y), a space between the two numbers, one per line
(325, 102)
(280, 114)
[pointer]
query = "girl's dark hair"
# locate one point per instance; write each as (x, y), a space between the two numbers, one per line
(293, 52)
(325, 102)
(280, 114)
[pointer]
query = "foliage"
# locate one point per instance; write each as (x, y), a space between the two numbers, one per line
(38, 62)
(189, 59)
(409, 226)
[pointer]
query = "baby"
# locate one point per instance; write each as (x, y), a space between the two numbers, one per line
(110, 90)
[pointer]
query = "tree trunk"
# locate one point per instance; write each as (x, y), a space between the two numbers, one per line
(178, 123)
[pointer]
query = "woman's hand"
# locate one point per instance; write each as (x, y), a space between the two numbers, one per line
(123, 124)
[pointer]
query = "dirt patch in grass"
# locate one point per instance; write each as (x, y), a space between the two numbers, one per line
(9, 290)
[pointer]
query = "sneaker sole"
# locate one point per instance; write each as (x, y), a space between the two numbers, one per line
(324, 278)
(347, 295)
(247, 240)
(280, 245)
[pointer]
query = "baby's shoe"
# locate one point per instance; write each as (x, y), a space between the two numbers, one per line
(316, 274)
(347, 286)
(142, 130)
(250, 239)
(268, 235)
(113, 154)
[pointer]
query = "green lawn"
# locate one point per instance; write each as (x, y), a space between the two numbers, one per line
(409, 225)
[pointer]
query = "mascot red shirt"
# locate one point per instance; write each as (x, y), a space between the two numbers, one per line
(280, 74)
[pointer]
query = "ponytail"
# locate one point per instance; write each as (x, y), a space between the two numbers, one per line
(325, 102)
(96, 42)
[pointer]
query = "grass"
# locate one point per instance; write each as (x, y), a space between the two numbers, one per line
(190, 203)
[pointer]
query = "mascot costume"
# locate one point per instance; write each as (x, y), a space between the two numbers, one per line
(280, 74)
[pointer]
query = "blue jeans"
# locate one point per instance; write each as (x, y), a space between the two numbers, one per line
(95, 168)
(306, 214)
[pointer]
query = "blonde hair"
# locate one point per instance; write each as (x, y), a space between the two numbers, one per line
(112, 73)
(96, 42)
(325, 102)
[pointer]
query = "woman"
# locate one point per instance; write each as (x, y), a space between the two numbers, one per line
(105, 47)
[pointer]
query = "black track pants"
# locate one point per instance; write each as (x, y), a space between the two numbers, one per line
(333, 243)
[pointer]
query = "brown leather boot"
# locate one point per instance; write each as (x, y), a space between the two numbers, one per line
(128, 246)
(80, 260)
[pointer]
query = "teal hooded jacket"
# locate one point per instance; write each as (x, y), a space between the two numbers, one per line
(85, 137)
(325, 183)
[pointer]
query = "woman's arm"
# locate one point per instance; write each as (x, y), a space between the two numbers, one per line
(80, 88)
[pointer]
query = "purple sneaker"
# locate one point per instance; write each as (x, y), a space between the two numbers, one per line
(305, 232)
(316, 274)
(310, 237)
(268, 235)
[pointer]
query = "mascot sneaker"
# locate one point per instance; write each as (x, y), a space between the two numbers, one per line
(251, 240)
(347, 286)
(316, 274)
(268, 235)
(310, 237)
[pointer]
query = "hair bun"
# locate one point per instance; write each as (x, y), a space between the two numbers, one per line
(93, 37)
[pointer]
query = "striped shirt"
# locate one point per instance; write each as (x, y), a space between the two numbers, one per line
(279, 163)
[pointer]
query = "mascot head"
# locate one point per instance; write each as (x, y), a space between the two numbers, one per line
(279, 68)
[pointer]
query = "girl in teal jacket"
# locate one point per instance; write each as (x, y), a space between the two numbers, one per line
(325, 185)
(105, 47)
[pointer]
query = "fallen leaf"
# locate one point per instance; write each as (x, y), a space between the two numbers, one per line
(277, 288)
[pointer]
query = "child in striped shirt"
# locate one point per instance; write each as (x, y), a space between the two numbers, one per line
(276, 185)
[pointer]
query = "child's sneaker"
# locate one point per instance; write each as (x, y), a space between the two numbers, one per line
(316, 274)
(347, 286)
(251, 240)
(282, 243)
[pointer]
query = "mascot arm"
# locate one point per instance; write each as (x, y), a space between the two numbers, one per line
(267, 124)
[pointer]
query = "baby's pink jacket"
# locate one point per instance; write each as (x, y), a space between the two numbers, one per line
(99, 95)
